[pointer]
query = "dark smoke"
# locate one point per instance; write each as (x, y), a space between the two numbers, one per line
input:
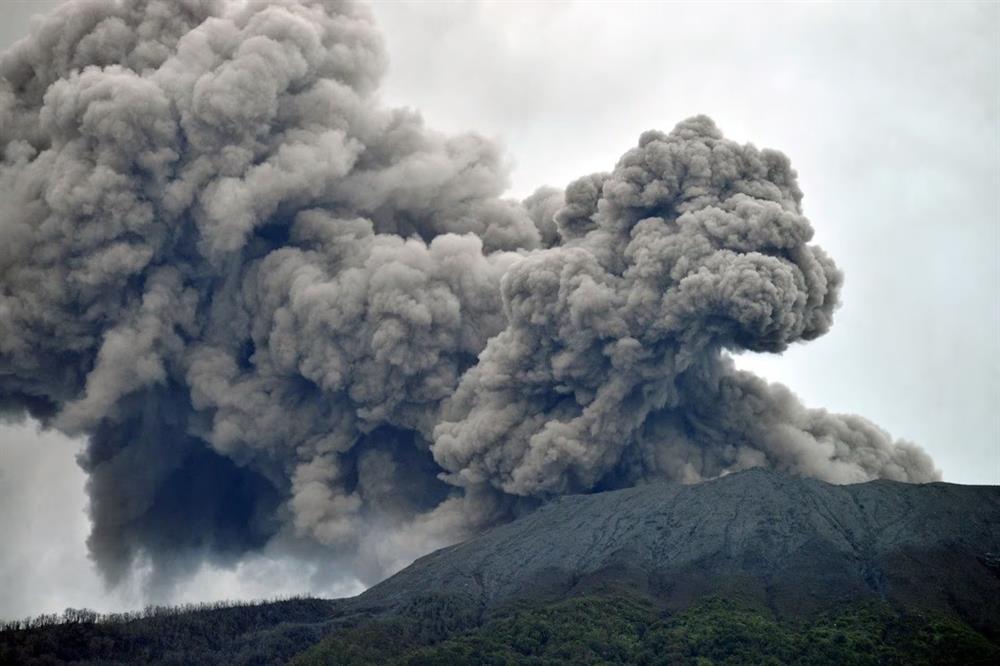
(283, 313)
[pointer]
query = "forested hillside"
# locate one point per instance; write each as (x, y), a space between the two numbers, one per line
(596, 629)
(244, 633)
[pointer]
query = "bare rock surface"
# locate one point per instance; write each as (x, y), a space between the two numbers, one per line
(795, 544)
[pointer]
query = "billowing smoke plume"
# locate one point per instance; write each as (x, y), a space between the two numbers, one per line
(280, 311)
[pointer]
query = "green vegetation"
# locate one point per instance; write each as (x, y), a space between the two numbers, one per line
(261, 633)
(609, 629)
(628, 630)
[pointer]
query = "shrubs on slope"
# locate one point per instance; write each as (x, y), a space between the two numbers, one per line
(629, 630)
(599, 629)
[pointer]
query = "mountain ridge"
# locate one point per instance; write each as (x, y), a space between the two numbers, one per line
(754, 566)
(794, 543)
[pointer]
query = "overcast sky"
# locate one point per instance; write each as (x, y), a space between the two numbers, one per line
(888, 112)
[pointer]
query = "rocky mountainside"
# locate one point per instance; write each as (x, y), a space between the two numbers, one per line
(795, 544)
(753, 567)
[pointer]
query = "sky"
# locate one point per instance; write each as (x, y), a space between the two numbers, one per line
(888, 112)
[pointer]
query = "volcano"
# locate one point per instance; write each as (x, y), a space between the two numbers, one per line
(749, 565)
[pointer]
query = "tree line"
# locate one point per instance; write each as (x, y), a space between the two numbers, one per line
(148, 612)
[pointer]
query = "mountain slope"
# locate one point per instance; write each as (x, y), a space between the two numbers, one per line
(628, 629)
(749, 567)
(794, 544)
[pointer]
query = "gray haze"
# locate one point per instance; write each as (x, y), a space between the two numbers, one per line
(260, 293)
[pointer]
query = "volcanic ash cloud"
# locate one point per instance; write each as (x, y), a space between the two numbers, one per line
(284, 314)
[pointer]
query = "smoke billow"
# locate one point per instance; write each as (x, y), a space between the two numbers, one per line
(281, 312)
